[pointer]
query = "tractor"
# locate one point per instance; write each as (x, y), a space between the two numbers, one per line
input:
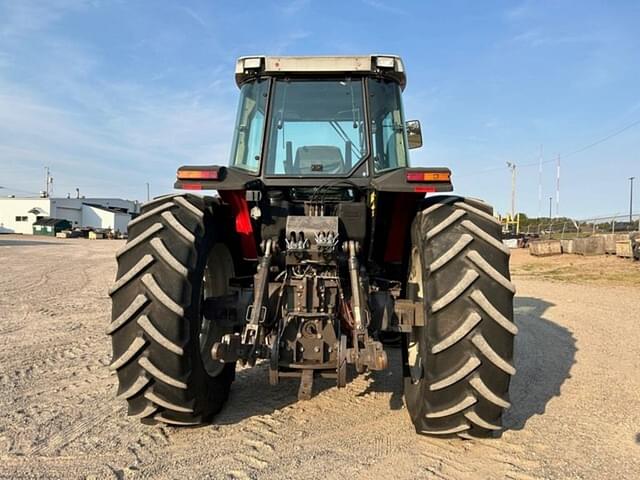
(319, 248)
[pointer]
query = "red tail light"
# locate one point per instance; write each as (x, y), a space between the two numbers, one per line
(203, 174)
(428, 176)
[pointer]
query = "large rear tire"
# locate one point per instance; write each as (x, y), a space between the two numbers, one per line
(158, 336)
(459, 365)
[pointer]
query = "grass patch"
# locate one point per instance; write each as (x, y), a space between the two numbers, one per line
(574, 269)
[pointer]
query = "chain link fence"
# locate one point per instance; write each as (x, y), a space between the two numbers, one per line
(567, 228)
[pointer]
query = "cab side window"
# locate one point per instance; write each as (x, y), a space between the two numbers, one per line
(387, 125)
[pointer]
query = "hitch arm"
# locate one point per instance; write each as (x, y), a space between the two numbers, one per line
(246, 347)
(257, 312)
(372, 355)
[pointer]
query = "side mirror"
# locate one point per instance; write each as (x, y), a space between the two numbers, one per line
(414, 133)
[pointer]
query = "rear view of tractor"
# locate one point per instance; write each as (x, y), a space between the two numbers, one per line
(320, 244)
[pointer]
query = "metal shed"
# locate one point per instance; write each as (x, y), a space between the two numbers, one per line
(50, 226)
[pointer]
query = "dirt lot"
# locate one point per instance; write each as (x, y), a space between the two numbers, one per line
(576, 396)
(606, 270)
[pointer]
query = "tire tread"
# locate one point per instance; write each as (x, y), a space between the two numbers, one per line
(466, 347)
(156, 355)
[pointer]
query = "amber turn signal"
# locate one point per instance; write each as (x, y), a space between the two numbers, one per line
(427, 176)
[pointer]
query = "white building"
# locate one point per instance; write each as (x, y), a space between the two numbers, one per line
(17, 214)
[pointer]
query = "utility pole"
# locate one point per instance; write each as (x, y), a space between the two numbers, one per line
(558, 188)
(550, 200)
(512, 166)
(631, 200)
(46, 181)
(540, 183)
(147, 191)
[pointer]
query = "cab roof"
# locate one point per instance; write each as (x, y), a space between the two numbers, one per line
(389, 65)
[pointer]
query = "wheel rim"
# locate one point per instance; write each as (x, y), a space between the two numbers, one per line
(215, 283)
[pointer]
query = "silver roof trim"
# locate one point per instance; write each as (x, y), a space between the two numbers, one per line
(252, 65)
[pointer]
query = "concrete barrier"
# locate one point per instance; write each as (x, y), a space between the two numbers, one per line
(544, 248)
(589, 246)
(623, 249)
(510, 242)
(567, 246)
(610, 240)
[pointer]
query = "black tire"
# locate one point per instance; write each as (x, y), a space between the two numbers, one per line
(635, 246)
(156, 313)
(460, 364)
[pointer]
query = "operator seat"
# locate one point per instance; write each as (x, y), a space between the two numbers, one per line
(318, 160)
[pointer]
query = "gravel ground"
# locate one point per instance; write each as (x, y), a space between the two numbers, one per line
(575, 414)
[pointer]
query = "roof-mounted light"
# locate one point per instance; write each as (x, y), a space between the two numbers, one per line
(385, 62)
(252, 63)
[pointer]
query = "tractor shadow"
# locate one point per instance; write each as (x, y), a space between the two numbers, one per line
(252, 395)
(544, 355)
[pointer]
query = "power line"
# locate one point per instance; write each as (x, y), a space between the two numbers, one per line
(588, 146)
(538, 162)
(604, 139)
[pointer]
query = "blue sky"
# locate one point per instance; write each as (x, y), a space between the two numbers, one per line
(112, 94)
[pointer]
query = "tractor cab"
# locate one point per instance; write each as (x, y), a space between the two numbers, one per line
(318, 125)
(308, 120)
